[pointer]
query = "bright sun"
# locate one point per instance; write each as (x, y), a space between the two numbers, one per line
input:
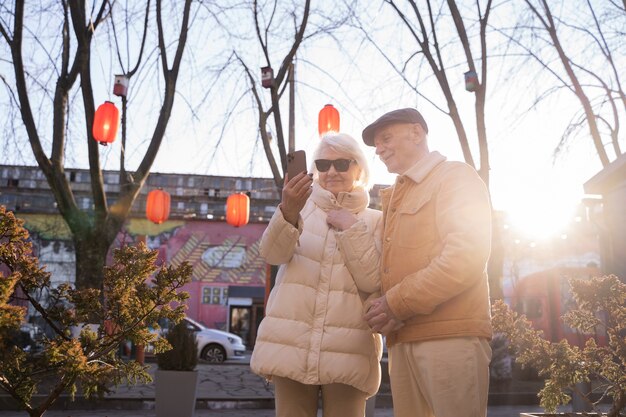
(537, 205)
(540, 217)
(540, 222)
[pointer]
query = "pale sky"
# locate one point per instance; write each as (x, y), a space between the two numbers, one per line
(538, 193)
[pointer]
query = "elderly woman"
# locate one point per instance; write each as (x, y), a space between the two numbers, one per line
(313, 339)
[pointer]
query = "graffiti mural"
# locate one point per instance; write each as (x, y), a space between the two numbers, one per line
(221, 256)
(218, 252)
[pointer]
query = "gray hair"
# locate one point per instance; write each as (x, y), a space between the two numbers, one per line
(346, 145)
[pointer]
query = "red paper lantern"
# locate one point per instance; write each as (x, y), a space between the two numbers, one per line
(158, 206)
(105, 123)
(237, 209)
(328, 120)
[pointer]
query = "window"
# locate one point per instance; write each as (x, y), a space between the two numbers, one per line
(159, 181)
(215, 295)
(85, 203)
(110, 178)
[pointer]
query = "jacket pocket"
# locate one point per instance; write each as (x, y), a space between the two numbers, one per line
(415, 226)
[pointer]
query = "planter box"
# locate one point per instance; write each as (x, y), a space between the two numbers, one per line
(175, 393)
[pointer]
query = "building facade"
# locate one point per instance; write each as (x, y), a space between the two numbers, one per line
(227, 290)
(228, 281)
(610, 185)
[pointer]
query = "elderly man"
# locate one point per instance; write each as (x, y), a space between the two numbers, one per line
(435, 309)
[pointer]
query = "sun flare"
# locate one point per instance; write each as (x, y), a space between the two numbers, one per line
(540, 219)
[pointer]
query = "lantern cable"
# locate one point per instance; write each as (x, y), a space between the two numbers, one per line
(96, 46)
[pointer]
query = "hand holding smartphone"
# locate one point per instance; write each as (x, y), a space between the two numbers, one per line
(295, 193)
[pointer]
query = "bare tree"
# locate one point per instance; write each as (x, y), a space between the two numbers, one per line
(70, 52)
(448, 38)
(429, 26)
(280, 30)
(591, 70)
(278, 85)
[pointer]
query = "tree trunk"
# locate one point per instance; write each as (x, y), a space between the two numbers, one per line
(91, 254)
(93, 230)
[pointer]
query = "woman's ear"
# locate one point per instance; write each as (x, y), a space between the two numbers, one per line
(358, 178)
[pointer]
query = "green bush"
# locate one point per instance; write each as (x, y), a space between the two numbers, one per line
(183, 356)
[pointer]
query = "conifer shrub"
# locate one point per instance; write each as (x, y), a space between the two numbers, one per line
(600, 308)
(136, 294)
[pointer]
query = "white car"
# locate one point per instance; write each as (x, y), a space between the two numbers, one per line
(215, 346)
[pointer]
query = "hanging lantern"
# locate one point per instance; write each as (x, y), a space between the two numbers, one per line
(267, 77)
(237, 209)
(106, 121)
(158, 206)
(471, 81)
(328, 120)
(120, 87)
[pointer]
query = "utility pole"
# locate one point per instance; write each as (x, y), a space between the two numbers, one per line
(292, 113)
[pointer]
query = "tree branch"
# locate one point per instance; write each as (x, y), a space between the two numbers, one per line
(262, 127)
(127, 196)
(549, 26)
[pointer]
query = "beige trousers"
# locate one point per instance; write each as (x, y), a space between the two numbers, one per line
(294, 399)
(440, 378)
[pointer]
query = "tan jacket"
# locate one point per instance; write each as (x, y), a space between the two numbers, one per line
(314, 330)
(436, 244)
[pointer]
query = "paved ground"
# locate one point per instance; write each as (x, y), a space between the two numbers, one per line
(227, 390)
(494, 411)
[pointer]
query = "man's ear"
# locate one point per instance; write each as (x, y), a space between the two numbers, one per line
(417, 133)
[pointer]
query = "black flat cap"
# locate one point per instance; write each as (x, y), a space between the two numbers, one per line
(407, 115)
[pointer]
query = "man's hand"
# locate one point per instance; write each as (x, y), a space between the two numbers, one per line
(295, 193)
(380, 317)
(341, 219)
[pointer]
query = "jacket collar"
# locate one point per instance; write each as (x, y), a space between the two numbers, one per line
(423, 167)
(416, 173)
(355, 201)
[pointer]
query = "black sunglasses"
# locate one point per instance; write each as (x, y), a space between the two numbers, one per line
(341, 165)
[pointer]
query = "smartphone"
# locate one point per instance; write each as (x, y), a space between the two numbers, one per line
(296, 163)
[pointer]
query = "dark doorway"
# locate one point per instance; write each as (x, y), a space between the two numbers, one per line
(240, 320)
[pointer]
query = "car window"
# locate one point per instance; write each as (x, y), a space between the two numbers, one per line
(192, 326)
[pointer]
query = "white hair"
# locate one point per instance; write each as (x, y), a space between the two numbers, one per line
(346, 145)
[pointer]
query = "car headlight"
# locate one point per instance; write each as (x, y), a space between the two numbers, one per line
(231, 340)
